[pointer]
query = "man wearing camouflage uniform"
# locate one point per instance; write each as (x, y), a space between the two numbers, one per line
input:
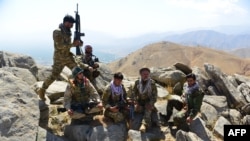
(115, 99)
(79, 94)
(92, 61)
(89, 63)
(62, 55)
(188, 104)
(145, 96)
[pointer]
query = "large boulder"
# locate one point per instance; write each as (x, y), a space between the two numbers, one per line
(19, 112)
(234, 97)
(8, 59)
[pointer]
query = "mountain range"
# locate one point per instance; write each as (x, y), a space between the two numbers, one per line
(166, 54)
(232, 39)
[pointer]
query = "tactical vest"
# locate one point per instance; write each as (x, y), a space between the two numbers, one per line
(79, 94)
(144, 97)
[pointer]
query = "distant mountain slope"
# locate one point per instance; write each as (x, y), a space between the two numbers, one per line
(165, 54)
(210, 38)
(242, 52)
(207, 38)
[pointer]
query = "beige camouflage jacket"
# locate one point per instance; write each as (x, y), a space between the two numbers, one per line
(72, 91)
(62, 43)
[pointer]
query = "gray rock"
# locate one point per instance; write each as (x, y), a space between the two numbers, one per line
(219, 126)
(225, 87)
(19, 112)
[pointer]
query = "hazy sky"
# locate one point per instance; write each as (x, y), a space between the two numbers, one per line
(24, 22)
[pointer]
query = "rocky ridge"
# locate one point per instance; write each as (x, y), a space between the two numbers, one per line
(25, 117)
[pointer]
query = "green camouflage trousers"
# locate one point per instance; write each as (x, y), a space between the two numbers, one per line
(117, 117)
(147, 114)
(57, 68)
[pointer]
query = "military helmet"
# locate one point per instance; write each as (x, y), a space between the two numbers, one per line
(76, 71)
(69, 18)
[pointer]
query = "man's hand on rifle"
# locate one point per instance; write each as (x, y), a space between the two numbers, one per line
(77, 43)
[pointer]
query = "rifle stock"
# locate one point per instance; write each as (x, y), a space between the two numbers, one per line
(78, 34)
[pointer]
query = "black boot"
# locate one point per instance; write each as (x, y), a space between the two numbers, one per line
(165, 118)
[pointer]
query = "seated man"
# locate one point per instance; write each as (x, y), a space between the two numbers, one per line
(145, 96)
(80, 95)
(92, 61)
(188, 107)
(115, 99)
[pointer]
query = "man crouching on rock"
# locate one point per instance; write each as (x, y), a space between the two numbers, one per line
(81, 98)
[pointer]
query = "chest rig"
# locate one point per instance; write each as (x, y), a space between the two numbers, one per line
(79, 91)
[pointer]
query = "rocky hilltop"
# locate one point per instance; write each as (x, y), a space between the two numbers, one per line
(23, 116)
(164, 54)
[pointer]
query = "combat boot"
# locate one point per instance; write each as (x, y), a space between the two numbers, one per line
(165, 118)
(41, 93)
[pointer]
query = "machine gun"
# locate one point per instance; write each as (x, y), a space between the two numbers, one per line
(78, 34)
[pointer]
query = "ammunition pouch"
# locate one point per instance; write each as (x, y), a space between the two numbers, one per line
(144, 97)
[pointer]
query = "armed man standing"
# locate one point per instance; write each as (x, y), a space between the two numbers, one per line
(62, 55)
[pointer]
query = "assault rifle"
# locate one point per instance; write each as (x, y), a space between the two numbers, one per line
(78, 34)
(121, 105)
(131, 108)
(88, 108)
(131, 111)
(92, 60)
